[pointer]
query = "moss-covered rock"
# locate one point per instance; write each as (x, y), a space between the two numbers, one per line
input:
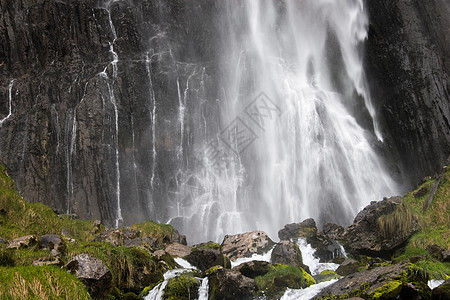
(206, 258)
(274, 283)
(182, 287)
(254, 268)
(326, 275)
(442, 292)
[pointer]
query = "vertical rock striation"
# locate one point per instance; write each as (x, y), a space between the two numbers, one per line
(408, 57)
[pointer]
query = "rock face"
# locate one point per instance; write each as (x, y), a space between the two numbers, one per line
(254, 268)
(230, 285)
(93, 272)
(366, 234)
(408, 63)
(287, 253)
(384, 282)
(179, 250)
(78, 118)
(246, 244)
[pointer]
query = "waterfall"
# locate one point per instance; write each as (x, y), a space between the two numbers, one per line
(298, 125)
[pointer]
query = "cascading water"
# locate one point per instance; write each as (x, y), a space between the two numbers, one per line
(10, 86)
(292, 144)
(295, 141)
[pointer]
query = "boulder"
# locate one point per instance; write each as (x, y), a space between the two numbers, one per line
(177, 249)
(52, 242)
(246, 244)
(326, 275)
(387, 282)
(207, 258)
(436, 251)
(230, 285)
(126, 237)
(22, 242)
(348, 266)
(254, 268)
(371, 233)
(442, 292)
(287, 253)
(446, 256)
(184, 286)
(92, 272)
(305, 229)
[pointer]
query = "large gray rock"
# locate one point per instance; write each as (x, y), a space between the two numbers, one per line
(246, 244)
(365, 235)
(402, 281)
(92, 272)
(305, 229)
(207, 258)
(230, 285)
(287, 253)
(177, 249)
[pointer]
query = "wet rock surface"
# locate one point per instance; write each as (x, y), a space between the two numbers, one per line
(287, 253)
(207, 258)
(246, 244)
(230, 285)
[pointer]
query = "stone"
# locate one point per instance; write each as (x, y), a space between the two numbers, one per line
(421, 192)
(365, 237)
(348, 266)
(332, 231)
(442, 292)
(92, 272)
(305, 229)
(22, 242)
(207, 258)
(246, 244)
(387, 282)
(177, 249)
(446, 256)
(52, 242)
(436, 251)
(287, 253)
(230, 285)
(253, 268)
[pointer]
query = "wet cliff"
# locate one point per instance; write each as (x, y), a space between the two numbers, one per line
(100, 100)
(408, 57)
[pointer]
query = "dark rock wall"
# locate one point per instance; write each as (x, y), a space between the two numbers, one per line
(61, 142)
(408, 57)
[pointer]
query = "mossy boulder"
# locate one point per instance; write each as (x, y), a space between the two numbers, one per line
(305, 229)
(442, 292)
(287, 253)
(207, 258)
(348, 266)
(274, 283)
(208, 245)
(388, 282)
(182, 287)
(254, 268)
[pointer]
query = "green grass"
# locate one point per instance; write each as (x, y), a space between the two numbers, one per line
(40, 283)
(435, 227)
(19, 217)
(161, 232)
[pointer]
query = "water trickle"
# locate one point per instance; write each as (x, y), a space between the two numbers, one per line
(152, 117)
(110, 85)
(10, 86)
(306, 293)
(309, 259)
(203, 291)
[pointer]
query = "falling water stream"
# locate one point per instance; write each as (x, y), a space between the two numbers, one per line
(298, 125)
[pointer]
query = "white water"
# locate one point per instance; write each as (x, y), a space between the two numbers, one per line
(10, 86)
(110, 85)
(261, 257)
(311, 261)
(306, 293)
(203, 290)
(309, 155)
(435, 283)
(158, 291)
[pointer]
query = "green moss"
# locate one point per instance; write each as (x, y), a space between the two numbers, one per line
(182, 287)
(274, 283)
(44, 282)
(387, 291)
(208, 245)
(161, 232)
(21, 218)
(213, 270)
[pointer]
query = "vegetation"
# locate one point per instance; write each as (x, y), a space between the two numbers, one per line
(434, 223)
(274, 283)
(46, 282)
(182, 287)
